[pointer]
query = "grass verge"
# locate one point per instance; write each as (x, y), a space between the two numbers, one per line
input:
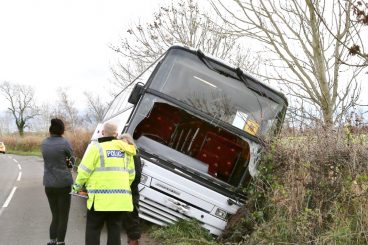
(183, 232)
(24, 153)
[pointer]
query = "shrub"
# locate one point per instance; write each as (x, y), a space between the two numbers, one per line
(311, 190)
(79, 140)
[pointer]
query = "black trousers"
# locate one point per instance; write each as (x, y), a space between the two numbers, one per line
(59, 201)
(131, 221)
(95, 222)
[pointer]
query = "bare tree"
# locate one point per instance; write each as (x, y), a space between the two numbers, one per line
(304, 54)
(183, 22)
(42, 122)
(358, 12)
(21, 103)
(67, 110)
(360, 18)
(96, 108)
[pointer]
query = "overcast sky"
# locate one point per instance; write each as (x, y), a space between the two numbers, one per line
(54, 43)
(65, 43)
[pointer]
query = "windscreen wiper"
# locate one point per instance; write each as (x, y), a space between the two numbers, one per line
(238, 71)
(240, 74)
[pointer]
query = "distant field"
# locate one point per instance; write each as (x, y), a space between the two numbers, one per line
(27, 144)
(290, 140)
(30, 144)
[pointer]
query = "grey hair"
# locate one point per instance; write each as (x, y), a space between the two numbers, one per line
(110, 129)
(128, 138)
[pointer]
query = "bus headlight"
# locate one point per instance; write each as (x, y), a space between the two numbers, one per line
(221, 213)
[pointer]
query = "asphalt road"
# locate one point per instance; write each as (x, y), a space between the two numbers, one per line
(24, 212)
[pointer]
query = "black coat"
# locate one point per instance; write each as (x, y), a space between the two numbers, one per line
(55, 150)
(138, 174)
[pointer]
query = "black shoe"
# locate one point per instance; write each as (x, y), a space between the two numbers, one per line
(51, 243)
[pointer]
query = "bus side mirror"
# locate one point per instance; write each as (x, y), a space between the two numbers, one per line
(136, 93)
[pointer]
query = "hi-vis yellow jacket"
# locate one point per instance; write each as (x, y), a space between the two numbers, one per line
(107, 171)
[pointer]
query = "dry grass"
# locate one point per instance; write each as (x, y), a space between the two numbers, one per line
(31, 143)
(79, 140)
(28, 143)
(312, 190)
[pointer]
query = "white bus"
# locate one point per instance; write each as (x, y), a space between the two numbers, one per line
(199, 124)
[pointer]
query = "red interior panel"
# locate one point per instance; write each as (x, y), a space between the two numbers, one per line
(160, 123)
(220, 153)
(194, 137)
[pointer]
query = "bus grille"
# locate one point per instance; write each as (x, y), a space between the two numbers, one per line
(157, 213)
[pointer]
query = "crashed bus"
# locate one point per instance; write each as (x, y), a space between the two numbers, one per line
(199, 125)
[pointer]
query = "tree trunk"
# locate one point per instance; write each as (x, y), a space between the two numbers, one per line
(20, 126)
(20, 131)
(327, 116)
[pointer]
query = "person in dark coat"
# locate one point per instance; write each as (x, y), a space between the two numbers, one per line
(57, 179)
(131, 221)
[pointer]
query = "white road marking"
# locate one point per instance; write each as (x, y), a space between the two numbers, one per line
(19, 176)
(6, 203)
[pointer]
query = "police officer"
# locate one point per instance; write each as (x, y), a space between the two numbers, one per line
(107, 171)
